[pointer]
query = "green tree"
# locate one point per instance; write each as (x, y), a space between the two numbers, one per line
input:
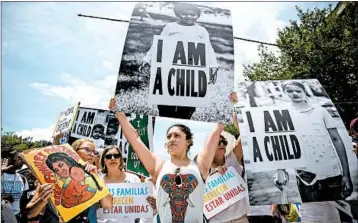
(11, 141)
(321, 45)
(230, 128)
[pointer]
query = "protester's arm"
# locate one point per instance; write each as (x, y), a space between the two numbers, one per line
(39, 201)
(57, 138)
(206, 156)
(238, 150)
(150, 161)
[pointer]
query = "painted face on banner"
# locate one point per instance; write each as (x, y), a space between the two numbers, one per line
(61, 168)
(177, 143)
(189, 17)
(77, 174)
(295, 93)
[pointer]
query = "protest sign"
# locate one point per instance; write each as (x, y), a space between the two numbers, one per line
(129, 200)
(66, 119)
(272, 139)
(75, 189)
(294, 139)
(144, 128)
(180, 73)
(222, 191)
(93, 123)
(177, 68)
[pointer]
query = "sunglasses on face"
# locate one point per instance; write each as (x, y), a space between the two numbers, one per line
(112, 156)
(223, 141)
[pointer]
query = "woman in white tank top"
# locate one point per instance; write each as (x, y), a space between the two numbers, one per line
(179, 181)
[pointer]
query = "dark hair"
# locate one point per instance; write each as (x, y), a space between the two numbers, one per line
(98, 126)
(187, 132)
(295, 83)
(183, 7)
(105, 151)
(60, 156)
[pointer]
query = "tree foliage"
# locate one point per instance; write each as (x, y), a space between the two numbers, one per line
(230, 128)
(321, 45)
(11, 141)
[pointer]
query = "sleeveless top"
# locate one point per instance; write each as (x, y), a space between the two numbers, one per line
(180, 193)
(238, 209)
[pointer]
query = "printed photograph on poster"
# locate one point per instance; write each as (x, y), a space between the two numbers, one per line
(193, 77)
(74, 187)
(66, 119)
(99, 125)
(272, 187)
(129, 201)
(330, 170)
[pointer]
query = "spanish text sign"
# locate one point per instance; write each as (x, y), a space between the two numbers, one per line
(222, 191)
(179, 72)
(273, 138)
(129, 200)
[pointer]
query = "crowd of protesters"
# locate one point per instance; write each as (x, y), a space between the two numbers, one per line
(25, 200)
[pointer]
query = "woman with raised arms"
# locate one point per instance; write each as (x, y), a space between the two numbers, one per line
(179, 181)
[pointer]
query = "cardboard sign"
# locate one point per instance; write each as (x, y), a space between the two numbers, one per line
(272, 138)
(129, 200)
(222, 191)
(179, 72)
(75, 189)
(176, 67)
(66, 119)
(144, 128)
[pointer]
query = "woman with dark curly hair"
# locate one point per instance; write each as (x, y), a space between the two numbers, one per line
(180, 182)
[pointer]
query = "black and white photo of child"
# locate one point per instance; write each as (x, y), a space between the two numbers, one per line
(98, 135)
(187, 21)
(329, 173)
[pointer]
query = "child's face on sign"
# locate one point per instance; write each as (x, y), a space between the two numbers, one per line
(189, 17)
(97, 133)
(77, 174)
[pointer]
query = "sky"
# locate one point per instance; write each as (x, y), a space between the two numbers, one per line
(51, 58)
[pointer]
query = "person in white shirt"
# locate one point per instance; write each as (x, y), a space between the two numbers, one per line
(13, 184)
(179, 181)
(326, 175)
(112, 169)
(186, 27)
(237, 212)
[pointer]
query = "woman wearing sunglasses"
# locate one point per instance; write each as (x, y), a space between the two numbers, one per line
(179, 181)
(112, 171)
(237, 212)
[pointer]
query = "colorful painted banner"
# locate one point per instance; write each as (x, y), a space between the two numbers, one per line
(66, 119)
(75, 189)
(129, 200)
(222, 191)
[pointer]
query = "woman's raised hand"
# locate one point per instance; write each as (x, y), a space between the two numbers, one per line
(89, 168)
